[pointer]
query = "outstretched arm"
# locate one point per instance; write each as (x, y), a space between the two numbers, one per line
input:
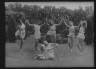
(60, 22)
(27, 21)
(66, 23)
(42, 24)
(47, 22)
(85, 23)
(79, 25)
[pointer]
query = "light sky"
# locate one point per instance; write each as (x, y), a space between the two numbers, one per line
(69, 5)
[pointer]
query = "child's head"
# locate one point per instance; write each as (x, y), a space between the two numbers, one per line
(39, 22)
(45, 42)
(51, 22)
(71, 23)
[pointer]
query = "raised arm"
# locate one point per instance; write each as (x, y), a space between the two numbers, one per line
(85, 24)
(27, 21)
(66, 23)
(60, 22)
(42, 24)
(79, 25)
(47, 22)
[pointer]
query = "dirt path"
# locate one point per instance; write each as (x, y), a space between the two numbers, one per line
(63, 57)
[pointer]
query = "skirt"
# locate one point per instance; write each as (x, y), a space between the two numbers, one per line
(37, 35)
(51, 33)
(80, 35)
(71, 35)
(19, 33)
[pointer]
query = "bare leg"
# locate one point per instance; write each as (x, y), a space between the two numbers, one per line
(21, 43)
(69, 42)
(78, 44)
(72, 40)
(82, 44)
(36, 44)
(54, 37)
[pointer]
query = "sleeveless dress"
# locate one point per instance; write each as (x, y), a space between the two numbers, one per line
(37, 32)
(52, 30)
(21, 31)
(71, 31)
(81, 33)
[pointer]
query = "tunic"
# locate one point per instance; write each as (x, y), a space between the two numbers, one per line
(81, 33)
(52, 30)
(71, 31)
(37, 32)
(21, 31)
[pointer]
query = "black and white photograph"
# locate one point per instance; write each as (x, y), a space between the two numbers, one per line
(49, 34)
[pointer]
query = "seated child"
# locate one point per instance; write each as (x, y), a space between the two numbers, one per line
(47, 50)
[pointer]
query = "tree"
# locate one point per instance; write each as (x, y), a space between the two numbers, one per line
(11, 29)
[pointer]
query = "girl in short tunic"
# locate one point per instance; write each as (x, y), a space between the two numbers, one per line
(37, 33)
(81, 36)
(71, 35)
(52, 30)
(21, 32)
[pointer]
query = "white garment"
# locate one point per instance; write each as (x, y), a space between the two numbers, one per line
(81, 33)
(49, 51)
(21, 31)
(37, 32)
(71, 31)
(17, 33)
(52, 30)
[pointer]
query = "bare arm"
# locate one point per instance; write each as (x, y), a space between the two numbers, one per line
(66, 23)
(60, 22)
(86, 23)
(29, 23)
(79, 25)
(42, 24)
(47, 22)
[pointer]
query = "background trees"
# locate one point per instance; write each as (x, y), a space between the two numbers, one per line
(35, 13)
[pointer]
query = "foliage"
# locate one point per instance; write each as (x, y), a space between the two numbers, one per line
(35, 13)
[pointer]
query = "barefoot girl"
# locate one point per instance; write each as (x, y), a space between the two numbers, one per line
(37, 33)
(71, 35)
(52, 30)
(21, 32)
(81, 36)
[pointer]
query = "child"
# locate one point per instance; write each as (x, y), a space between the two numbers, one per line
(71, 35)
(47, 50)
(52, 31)
(37, 33)
(81, 36)
(20, 32)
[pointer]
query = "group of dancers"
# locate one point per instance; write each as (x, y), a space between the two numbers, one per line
(46, 47)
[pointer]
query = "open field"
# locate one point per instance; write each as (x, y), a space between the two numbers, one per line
(63, 57)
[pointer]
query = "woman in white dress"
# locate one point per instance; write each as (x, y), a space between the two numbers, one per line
(81, 36)
(52, 30)
(37, 33)
(21, 32)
